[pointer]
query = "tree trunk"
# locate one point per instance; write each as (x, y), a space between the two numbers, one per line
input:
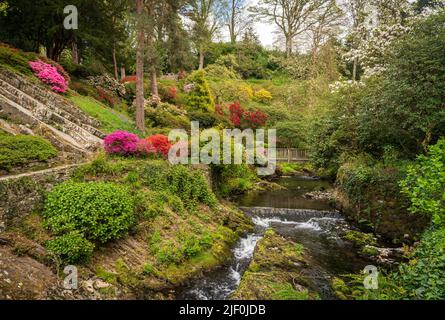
(354, 70)
(201, 59)
(123, 73)
(116, 72)
(232, 25)
(75, 52)
(140, 113)
(289, 44)
(154, 81)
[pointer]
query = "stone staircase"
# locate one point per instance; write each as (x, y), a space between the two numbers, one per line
(34, 105)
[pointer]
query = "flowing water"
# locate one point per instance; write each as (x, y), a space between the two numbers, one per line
(313, 223)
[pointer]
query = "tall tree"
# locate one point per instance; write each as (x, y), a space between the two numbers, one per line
(31, 25)
(235, 18)
(358, 11)
(327, 21)
(292, 17)
(205, 16)
(140, 112)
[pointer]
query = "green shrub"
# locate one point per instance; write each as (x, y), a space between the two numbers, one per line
(220, 72)
(192, 245)
(291, 134)
(101, 211)
(231, 91)
(190, 186)
(200, 97)
(234, 179)
(21, 149)
(425, 184)
(167, 115)
(71, 248)
(424, 276)
(206, 119)
(150, 204)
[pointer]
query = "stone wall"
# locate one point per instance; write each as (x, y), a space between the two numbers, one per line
(22, 194)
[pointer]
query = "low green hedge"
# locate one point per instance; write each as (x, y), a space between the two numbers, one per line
(21, 149)
(99, 210)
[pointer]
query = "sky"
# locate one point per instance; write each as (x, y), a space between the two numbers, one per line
(264, 30)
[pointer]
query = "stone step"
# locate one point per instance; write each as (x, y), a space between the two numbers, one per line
(79, 134)
(30, 103)
(45, 96)
(69, 137)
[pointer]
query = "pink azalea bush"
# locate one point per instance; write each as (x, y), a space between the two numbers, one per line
(50, 75)
(128, 144)
(146, 148)
(121, 143)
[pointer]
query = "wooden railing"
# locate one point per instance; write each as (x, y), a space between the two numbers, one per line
(292, 155)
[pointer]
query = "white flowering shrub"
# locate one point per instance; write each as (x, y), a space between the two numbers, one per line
(108, 83)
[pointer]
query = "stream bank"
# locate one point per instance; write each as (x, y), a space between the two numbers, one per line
(300, 221)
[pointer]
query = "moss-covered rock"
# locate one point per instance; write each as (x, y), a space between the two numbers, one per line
(275, 272)
(360, 239)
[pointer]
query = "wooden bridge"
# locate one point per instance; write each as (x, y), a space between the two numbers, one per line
(292, 155)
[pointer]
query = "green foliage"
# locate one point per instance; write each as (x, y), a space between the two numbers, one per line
(190, 186)
(234, 179)
(231, 91)
(101, 211)
(401, 109)
(360, 239)
(285, 291)
(167, 115)
(220, 72)
(200, 98)
(71, 248)
(206, 119)
(150, 204)
(425, 183)
(287, 168)
(420, 278)
(22, 149)
(291, 134)
(424, 276)
(189, 245)
(364, 173)
(248, 58)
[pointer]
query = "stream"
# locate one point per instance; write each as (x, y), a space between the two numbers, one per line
(313, 223)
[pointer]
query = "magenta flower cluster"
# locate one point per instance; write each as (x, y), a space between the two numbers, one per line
(49, 75)
(121, 143)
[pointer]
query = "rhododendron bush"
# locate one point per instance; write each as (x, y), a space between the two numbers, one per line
(50, 75)
(242, 118)
(128, 144)
(121, 143)
(159, 143)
